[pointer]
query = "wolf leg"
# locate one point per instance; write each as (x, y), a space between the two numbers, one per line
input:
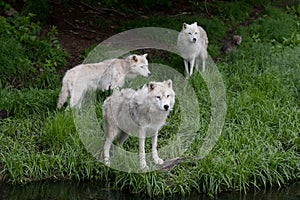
(204, 57)
(123, 137)
(109, 138)
(142, 138)
(76, 97)
(155, 157)
(186, 65)
(203, 64)
(107, 145)
(197, 64)
(192, 63)
(63, 95)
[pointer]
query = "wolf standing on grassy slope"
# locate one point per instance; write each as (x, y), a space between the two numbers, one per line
(191, 43)
(105, 75)
(142, 111)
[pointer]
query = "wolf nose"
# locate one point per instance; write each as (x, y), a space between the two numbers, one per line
(166, 107)
(149, 74)
(194, 39)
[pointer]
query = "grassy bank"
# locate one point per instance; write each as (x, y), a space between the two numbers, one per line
(260, 143)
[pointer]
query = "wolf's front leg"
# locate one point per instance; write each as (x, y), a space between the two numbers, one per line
(155, 157)
(186, 65)
(107, 145)
(110, 133)
(142, 138)
(192, 63)
(203, 65)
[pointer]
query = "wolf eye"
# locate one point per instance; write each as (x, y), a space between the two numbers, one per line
(168, 96)
(158, 97)
(196, 33)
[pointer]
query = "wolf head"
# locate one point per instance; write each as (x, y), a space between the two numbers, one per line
(138, 65)
(191, 31)
(162, 95)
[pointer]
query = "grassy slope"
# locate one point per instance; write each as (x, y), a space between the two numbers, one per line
(259, 145)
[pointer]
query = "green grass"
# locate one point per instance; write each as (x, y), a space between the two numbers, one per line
(259, 146)
(27, 60)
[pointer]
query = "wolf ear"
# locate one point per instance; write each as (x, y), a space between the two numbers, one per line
(151, 86)
(145, 55)
(184, 25)
(169, 83)
(196, 23)
(134, 58)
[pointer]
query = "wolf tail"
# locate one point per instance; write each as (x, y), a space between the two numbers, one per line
(63, 95)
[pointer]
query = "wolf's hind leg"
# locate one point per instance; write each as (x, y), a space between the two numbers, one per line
(203, 58)
(197, 64)
(122, 138)
(63, 95)
(76, 97)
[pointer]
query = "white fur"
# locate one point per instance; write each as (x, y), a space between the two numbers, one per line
(142, 112)
(105, 75)
(192, 42)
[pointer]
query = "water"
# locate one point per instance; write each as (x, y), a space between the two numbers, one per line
(86, 191)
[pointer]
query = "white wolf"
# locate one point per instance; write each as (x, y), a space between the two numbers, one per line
(105, 75)
(192, 42)
(142, 112)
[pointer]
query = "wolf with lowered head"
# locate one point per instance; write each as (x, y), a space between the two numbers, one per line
(105, 75)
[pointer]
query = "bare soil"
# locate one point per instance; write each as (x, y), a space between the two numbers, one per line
(79, 29)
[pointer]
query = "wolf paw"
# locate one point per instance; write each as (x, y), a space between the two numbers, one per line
(107, 162)
(144, 166)
(158, 161)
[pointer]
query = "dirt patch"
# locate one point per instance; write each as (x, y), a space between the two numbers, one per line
(73, 33)
(79, 24)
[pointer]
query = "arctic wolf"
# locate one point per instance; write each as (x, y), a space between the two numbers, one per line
(105, 75)
(142, 112)
(191, 43)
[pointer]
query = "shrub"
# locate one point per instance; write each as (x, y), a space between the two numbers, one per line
(40, 8)
(26, 57)
(15, 65)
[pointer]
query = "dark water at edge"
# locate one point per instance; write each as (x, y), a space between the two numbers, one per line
(74, 191)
